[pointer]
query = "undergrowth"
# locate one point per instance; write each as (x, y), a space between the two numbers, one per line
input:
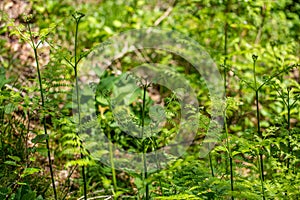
(44, 138)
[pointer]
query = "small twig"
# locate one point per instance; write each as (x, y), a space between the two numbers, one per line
(67, 186)
(97, 197)
(23, 94)
(263, 14)
(165, 14)
(142, 55)
(69, 62)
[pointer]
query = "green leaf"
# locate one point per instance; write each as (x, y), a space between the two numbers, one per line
(117, 23)
(45, 31)
(32, 159)
(40, 138)
(9, 162)
(29, 171)
(41, 150)
(9, 108)
(106, 182)
(138, 182)
(102, 100)
(15, 158)
(235, 153)
(21, 183)
(108, 30)
(39, 198)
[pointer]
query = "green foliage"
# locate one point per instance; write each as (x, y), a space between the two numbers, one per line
(255, 45)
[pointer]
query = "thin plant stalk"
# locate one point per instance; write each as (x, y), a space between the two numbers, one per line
(77, 17)
(112, 164)
(158, 167)
(211, 166)
(35, 47)
(225, 120)
(289, 106)
(289, 126)
(145, 173)
(261, 176)
(256, 88)
(67, 186)
(230, 155)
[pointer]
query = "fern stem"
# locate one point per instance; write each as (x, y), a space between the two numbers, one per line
(261, 176)
(112, 164)
(158, 167)
(225, 90)
(257, 113)
(211, 166)
(288, 127)
(77, 19)
(43, 107)
(260, 134)
(144, 149)
(254, 57)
